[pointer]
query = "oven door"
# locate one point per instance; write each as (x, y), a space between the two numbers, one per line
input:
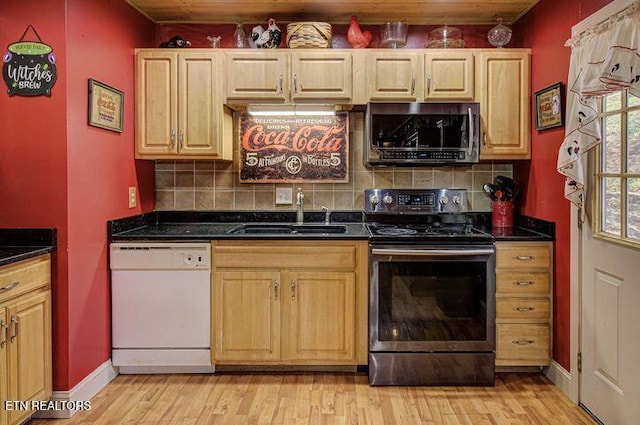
(432, 298)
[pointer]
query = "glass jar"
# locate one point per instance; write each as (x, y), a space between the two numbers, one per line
(499, 35)
(240, 38)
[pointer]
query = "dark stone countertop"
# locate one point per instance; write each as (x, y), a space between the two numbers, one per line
(209, 225)
(21, 244)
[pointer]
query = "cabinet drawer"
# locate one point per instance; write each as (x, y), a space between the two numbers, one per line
(289, 256)
(24, 276)
(523, 256)
(525, 344)
(522, 308)
(522, 283)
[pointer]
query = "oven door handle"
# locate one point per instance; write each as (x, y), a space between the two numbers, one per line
(432, 252)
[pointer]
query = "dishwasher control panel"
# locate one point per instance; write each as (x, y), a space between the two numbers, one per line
(160, 256)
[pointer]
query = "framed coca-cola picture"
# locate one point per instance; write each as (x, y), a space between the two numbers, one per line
(290, 149)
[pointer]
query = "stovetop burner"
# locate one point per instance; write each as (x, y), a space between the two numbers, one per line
(394, 231)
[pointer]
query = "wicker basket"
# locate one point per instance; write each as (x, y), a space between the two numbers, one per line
(308, 35)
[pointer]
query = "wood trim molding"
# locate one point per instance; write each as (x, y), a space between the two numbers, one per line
(91, 385)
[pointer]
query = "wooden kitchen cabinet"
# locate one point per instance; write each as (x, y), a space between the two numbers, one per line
(524, 273)
(305, 305)
(449, 75)
(286, 76)
(25, 335)
(503, 86)
(394, 75)
(179, 108)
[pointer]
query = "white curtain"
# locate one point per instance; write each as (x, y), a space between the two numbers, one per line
(604, 59)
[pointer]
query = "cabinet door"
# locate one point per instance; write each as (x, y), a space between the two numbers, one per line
(4, 359)
(156, 103)
(246, 306)
(321, 75)
(449, 75)
(393, 75)
(29, 351)
(257, 76)
(503, 89)
(320, 322)
(198, 104)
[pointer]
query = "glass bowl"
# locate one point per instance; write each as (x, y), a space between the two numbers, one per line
(393, 34)
(445, 37)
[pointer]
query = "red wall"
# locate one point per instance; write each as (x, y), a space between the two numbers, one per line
(545, 29)
(56, 171)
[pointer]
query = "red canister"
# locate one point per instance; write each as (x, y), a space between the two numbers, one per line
(502, 214)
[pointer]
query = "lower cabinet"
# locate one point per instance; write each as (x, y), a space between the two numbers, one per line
(25, 335)
(523, 303)
(278, 302)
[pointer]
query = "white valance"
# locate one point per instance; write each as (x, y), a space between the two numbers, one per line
(604, 59)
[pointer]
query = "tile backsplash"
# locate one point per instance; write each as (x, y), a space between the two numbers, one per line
(211, 185)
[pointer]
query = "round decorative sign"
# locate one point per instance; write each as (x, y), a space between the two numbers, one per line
(29, 67)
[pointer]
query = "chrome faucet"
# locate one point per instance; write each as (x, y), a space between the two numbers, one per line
(327, 215)
(300, 206)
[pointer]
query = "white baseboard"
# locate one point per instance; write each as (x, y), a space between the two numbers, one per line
(82, 392)
(562, 379)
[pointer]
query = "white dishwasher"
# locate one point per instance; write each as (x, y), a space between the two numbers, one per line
(161, 307)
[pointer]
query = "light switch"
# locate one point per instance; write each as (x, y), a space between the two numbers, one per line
(284, 196)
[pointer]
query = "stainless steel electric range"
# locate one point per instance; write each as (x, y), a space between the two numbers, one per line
(431, 290)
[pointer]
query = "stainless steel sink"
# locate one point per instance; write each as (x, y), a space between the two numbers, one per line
(288, 229)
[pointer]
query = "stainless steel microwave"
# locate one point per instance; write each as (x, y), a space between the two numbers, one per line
(416, 134)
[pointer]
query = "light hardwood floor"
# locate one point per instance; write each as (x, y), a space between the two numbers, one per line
(323, 398)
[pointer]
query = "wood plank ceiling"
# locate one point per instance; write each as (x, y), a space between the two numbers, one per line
(413, 12)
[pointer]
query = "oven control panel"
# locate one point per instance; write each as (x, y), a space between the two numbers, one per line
(428, 201)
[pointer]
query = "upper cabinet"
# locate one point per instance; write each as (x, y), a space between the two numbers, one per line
(449, 75)
(503, 87)
(393, 75)
(179, 109)
(289, 75)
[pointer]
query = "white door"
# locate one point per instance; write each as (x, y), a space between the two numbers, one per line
(610, 330)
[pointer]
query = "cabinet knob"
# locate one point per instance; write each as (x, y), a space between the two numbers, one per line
(4, 327)
(524, 257)
(173, 139)
(523, 309)
(11, 286)
(522, 341)
(14, 322)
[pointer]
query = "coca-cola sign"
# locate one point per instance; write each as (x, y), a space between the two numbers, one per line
(294, 149)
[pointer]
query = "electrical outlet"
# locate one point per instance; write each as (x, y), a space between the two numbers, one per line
(133, 202)
(284, 196)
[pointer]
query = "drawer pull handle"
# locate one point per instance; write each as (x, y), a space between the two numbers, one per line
(524, 283)
(276, 286)
(14, 321)
(523, 341)
(8, 287)
(4, 327)
(524, 257)
(523, 309)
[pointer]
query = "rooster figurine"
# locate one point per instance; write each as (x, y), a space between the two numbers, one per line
(269, 38)
(357, 38)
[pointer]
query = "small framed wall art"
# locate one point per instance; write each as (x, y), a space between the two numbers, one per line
(106, 106)
(549, 107)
